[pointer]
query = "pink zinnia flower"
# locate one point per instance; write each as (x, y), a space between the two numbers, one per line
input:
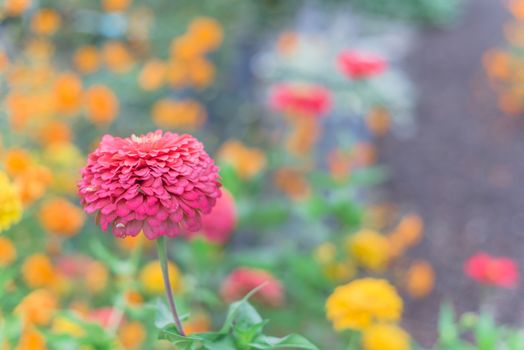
(496, 271)
(218, 225)
(160, 183)
(243, 280)
(359, 65)
(303, 99)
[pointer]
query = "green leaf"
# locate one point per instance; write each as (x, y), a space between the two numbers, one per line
(292, 341)
(447, 327)
(486, 332)
(243, 311)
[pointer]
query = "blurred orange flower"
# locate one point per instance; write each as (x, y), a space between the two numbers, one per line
(152, 281)
(198, 322)
(7, 251)
(497, 64)
(292, 182)
(378, 121)
(200, 72)
(55, 132)
(516, 7)
(132, 335)
(187, 114)
(17, 161)
(407, 234)
(247, 162)
(31, 339)
(86, 59)
(117, 57)
(153, 75)
(45, 21)
(96, 277)
(60, 217)
(68, 93)
(115, 5)
(16, 7)
(176, 73)
(33, 183)
(37, 271)
(185, 48)
(37, 307)
(420, 279)
(102, 104)
(206, 32)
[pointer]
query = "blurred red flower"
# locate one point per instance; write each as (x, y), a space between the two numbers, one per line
(497, 271)
(243, 280)
(360, 65)
(302, 99)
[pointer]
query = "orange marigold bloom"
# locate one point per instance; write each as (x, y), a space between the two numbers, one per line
(86, 59)
(45, 21)
(55, 132)
(378, 121)
(187, 114)
(197, 323)
(68, 93)
(200, 72)
(17, 161)
(61, 217)
(7, 251)
(292, 182)
(37, 307)
(247, 162)
(31, 339)
(117, 57)
(153, 75)
(185, 48)
(132, 335)
(207, 33)
(33, 183)
(16, 7)
(115, 5)
(38, 271)
(420, 279)
(102, 104)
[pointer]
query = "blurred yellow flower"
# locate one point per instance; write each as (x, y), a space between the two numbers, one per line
(247, 162)
(31, 339)
(96, 277)
(45, 21)
(420, 279)
(64, 325)
(10, 204)
(38, 307)
(153, 75)
(369, 248)
(358, 304)
(16, 7)
(102, 105)
(340, 271)
(152, 280)
(186, 114)
(86, 59)
(325, 253)
(132, 242)
(37, 271)
(61, 217)
(132, 335)
(7, 251)
(385, 337)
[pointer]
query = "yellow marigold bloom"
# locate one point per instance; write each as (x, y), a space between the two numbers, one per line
(96, 277)
(117, 57)
(153, 75)
(207, 33)
(420, 279)
(45, 21)
(7, 251)
(17, 161)
(60, 217)
(186, 114)
(385, 337)
(16, 7)
(247, 162)
(68, 93)
(198, 323)
(359, 303)
(115, 5)
(10, 204)
(31, 339)
(369, 248)
(152, 280)
(86, 59)
(38, 307)
(102, 104)
(200, 72)
(325, 253)
(132, 335)
(340, 271)
(38, 271)
(64, 325)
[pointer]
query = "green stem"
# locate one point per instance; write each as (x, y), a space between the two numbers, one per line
(162, 256)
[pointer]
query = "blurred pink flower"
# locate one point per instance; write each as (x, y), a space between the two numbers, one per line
(73, 266)
(160, 183)
(218, 225)
(359, 65)
(243, 280)
(497, 271)
(303, 99)
(103, 316)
